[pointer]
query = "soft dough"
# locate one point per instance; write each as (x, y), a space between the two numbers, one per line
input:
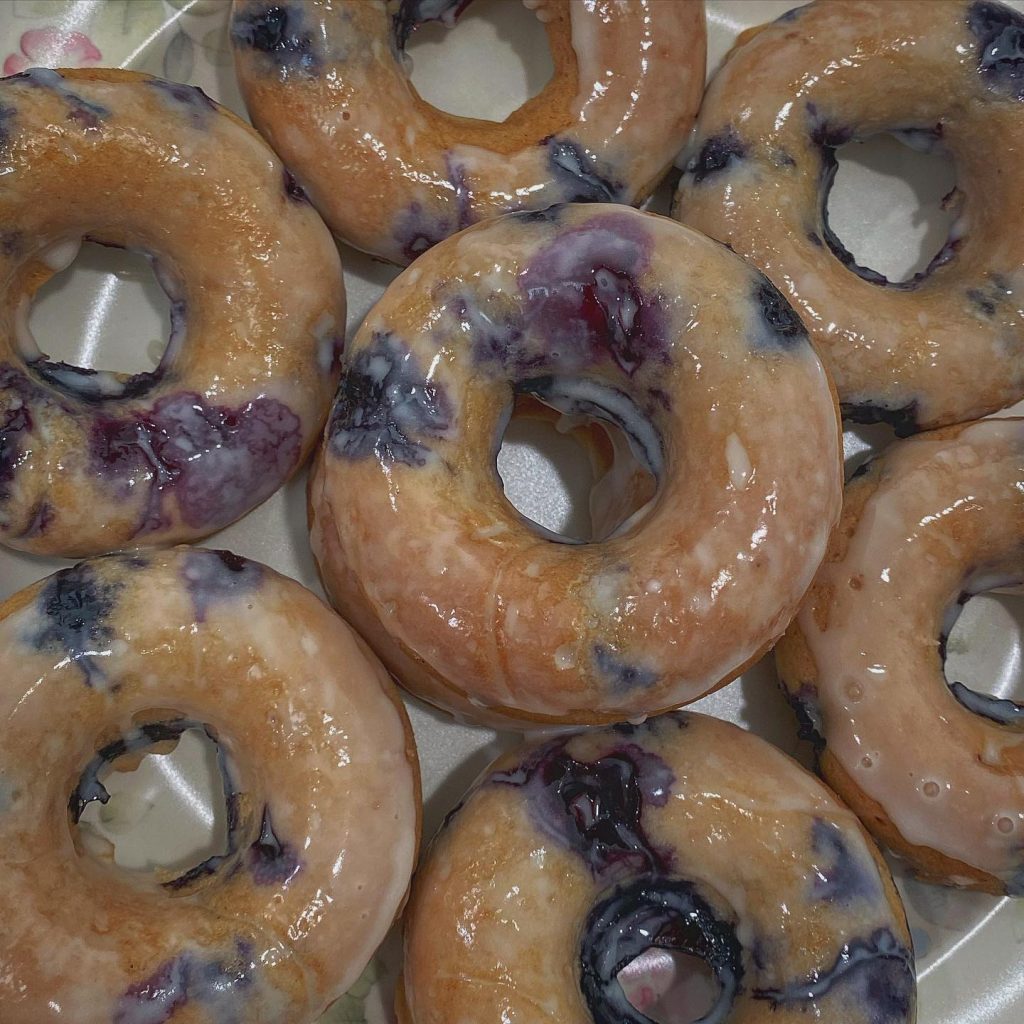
(609, 316)
(123, 653)
(569, 859)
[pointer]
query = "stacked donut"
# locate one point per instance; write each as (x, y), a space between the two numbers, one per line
(705, 364)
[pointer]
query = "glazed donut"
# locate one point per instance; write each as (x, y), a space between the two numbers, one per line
(607, 315)
(940, 348)
(328, 85)
(570, 859)
(92, 460)
(320, 778)
(934, 769)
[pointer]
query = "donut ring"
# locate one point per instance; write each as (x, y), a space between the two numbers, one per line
(568, 860)
(328, 85)
(91, 461)
(945, 346)
(606, 314)
(934, 770)
(320, 776)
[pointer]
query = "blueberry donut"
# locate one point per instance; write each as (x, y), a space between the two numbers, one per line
(570, 859)
(613, 317)
(125, 653)
(328, 84)
(934, 768)
(91, 460)
(945, 346)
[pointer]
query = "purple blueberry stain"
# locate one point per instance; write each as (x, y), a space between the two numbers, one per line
(716, 154)
(415, 230)
(413, 13)
(1000, 33)
(875, 975)
(807, 708)
(19, 396)
(663, 913)
(219, 983)
(270, 860)
(86, 114)
(12, 242)
(217, 461)
(777, 326)
(578, 175)
(292, 189)
(216, 577)
(91, 385)
(74, 610)
(595, 808)
(620, 673)
(386, 407)
(582, 297)
(841, 875)
(280, 33)
(187, 99)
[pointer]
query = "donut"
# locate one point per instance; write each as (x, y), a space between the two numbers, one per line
(126, 652)
(615, 317)
(571, 858)
(945, 346)
(91, 461)
(934, 769)
(328, 84)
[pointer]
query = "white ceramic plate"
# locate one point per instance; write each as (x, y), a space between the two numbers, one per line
(108, 311)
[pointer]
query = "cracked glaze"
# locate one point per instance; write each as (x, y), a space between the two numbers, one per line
(570, 858)
(96, 460)
(607, 315)
(327, 85)
(945, 346)
(122, 653)
(929, 523)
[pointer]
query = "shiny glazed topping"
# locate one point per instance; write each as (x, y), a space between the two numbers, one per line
(93, 460)
(928, 524)
(947, 75)
(326, 83)
(320, 781)
(608, 316)
(571, 858)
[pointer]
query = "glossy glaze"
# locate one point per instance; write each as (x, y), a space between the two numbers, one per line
(943, 347)
(94, 460)
(608, 315)
(939, 772)
(569, 859)
(122, 653)
(326, 84)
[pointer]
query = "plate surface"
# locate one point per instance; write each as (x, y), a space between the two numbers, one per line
(107, 311)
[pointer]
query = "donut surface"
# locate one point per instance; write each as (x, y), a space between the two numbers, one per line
(570, 859)
(93, 460)
(608, 315)
(944, 346)
(328, 85)
(320, 777)
(935, 769)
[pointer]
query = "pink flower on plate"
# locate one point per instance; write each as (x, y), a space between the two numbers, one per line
(51, 47)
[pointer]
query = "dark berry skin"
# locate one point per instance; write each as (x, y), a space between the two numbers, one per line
(1000, 33)
(623, 675)
(215, 576)
(841, 876)
(903, 420)
(717, 153)
(189, 98)
(75, 607)
(810, 726)
(292, 189)
(654, 912)
(271, 861)
(577, 172)
(784, 328)
(279, 32)
(388, 415)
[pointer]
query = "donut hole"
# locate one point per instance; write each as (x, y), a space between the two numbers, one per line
(576, 477)
(669, 986)
(166, 812)
(892, 203)
(103, 309)
(502, 55)
(984, 646)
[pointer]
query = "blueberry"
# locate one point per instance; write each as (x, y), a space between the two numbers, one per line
(717, 153)
(279, 32)
(841, 876)
(623, 676)
(810, 726)
(783, 327)
(215, 576)
(1000, 33)
(902, 419)
(577, 173)
(292, 189)
(271, 861)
